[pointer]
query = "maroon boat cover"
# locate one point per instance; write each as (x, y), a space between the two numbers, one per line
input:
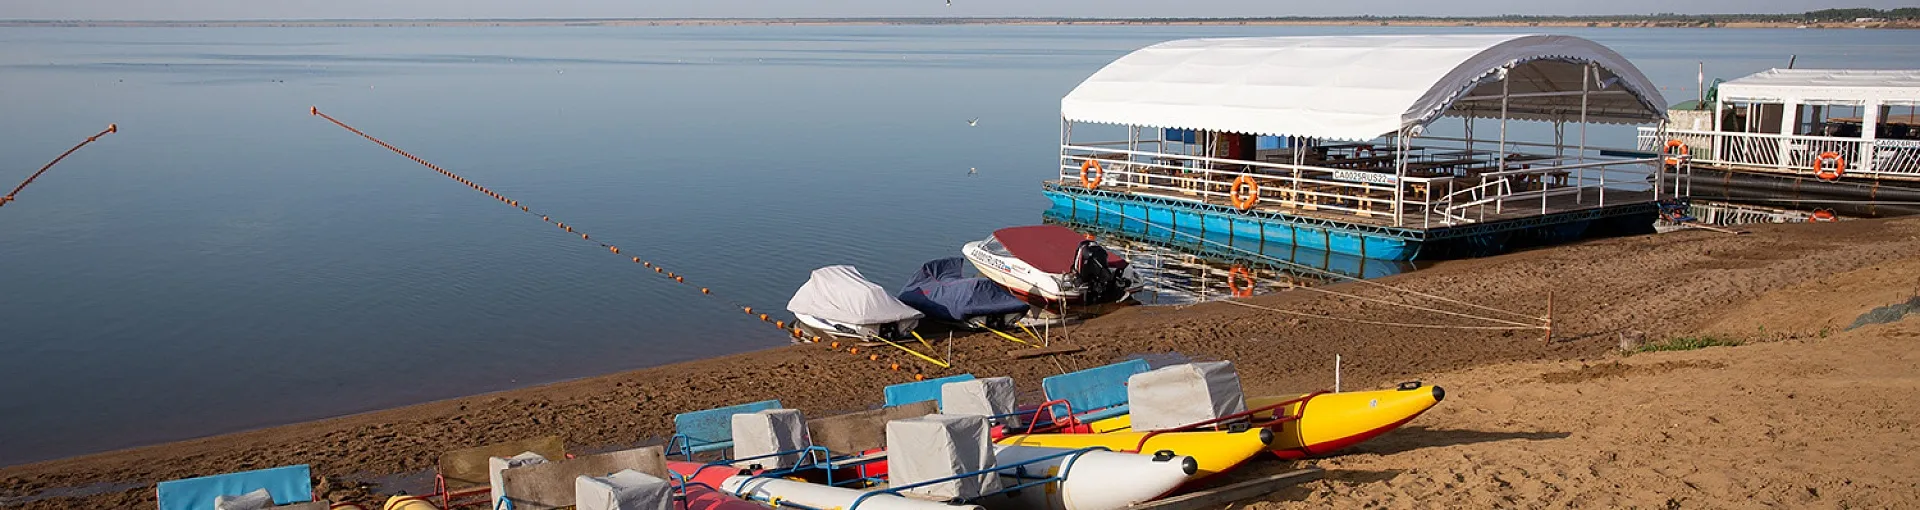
(1049, 248)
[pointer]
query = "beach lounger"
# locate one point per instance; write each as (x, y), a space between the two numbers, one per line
(709, 430)
(288, 485)
(553, 484)
(462, 476)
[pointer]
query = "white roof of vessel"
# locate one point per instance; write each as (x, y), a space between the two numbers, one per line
(1356, 87)
(1814, 86)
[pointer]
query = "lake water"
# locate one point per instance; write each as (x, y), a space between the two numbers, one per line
(227, 261)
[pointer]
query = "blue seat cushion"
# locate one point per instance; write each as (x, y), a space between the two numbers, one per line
(1094, 388)
(712, 429)
(920, 391)
(287, 484)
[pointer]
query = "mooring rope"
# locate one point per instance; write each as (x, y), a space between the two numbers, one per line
(794, 331)
(9, 197)
(1374, 322)
(1352, 278)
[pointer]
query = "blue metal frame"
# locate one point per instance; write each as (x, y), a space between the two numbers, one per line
(1019, 469)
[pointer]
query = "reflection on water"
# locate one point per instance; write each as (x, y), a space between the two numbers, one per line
(1190, 266)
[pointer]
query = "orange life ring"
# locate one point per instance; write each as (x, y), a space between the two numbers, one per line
(1098, 173)
(1673, 156)
(1252, 193)
(1822, 216)
(1826, 173)
(1237, 275)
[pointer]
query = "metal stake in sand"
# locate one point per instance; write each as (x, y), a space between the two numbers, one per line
(1336, 373)
(1549, 335)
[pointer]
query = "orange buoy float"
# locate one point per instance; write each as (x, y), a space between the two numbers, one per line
(780, 324)
(1237, 275)
(681, 279)
(873, 357)
(763, 317)
(1245, 193)
(919, 377)
(615, 249)
(1675, 150)
(657, 269)
(1091, 173)
(853, 350)
(896, 367)
(636, 260)
(747, 309)
(1829, 166)
(704, 290)
(835, 345)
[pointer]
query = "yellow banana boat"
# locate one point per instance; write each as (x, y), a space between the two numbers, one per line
(1214, 451)
(1329, 422)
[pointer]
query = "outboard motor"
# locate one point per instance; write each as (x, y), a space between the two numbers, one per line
(1103, 282)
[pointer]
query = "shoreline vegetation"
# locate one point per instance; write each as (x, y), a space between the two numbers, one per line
(1903, 18)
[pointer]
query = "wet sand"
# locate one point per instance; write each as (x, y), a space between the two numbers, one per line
(1657, 286)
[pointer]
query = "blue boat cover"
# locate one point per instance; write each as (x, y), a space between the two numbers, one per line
(942, 292)
(288, 485)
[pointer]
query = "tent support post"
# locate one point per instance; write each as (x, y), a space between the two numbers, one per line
(1586, 89)
(1506, 79)
(1400, 143)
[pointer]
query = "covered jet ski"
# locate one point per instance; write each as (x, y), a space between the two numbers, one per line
(839, 301)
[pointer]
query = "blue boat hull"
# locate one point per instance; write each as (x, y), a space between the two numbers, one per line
(1361, 240)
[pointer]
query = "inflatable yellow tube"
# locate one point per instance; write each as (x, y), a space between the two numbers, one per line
(1332, 420)
(1215, 451)
(408, 503)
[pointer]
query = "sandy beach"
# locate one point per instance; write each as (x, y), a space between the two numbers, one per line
(1805, 414)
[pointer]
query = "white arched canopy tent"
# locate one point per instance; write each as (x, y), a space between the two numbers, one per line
(1369, 89)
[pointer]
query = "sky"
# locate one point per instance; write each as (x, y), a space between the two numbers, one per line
(391, 9)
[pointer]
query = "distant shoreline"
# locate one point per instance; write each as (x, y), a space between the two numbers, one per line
(1755, 21)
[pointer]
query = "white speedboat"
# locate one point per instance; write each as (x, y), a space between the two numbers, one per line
(838, 301)
(1051, 265)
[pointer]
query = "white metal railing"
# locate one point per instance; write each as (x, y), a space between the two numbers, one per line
(1529, 182)
(1790, 153)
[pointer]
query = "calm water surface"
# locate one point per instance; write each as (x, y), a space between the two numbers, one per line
(228, 262)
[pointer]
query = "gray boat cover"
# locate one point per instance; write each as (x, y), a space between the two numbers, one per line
(256, 500)
(938, 446)
(756, 435)
(625, 490)
(1184, 394)
(992, 396)
(840, 294)
(497, 464)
